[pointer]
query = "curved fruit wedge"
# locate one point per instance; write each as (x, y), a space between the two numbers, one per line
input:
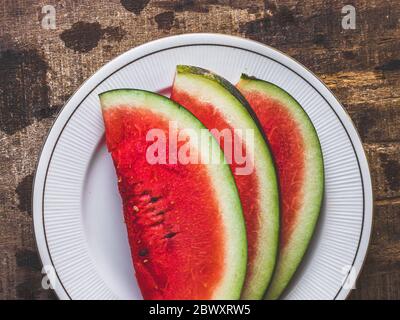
(185, 225)
(297, 152)
(221, 107)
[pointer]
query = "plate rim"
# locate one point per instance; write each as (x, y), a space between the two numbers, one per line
(184, 40)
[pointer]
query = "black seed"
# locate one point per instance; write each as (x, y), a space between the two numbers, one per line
(154, 199)
(157, 223)
(143, 252)
(170, 235)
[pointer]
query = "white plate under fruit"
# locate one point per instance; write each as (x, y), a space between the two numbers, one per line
(78, 220)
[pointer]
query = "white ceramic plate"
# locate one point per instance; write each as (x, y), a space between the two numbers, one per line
(77, 210)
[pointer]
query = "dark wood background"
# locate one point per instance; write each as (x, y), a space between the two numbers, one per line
(40, 69)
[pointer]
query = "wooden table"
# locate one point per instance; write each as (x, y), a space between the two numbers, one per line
(41, 68)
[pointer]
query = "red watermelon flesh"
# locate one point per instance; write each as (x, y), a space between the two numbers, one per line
(247, 184)
(287, 145)
(219, 105)
(176, 223)
(298, 157)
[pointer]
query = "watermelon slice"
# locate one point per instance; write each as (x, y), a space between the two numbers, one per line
(220, 106)
(185, 224)
(298, 156)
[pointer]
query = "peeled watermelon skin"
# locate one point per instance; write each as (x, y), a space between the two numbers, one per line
(262, 218)
(181, 245)
(298, 157)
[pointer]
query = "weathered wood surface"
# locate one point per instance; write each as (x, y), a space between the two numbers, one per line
(40, 69)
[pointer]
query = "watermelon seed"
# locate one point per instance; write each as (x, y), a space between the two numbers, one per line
(154, 199)
(135, 208)
(160, 213)
(155, 224)
(170, 235)
(143, 252)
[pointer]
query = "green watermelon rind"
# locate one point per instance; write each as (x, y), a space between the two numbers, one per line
(222, 178)
(242, 113)
(291, 257)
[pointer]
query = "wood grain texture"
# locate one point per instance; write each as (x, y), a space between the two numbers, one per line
(40, 69)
